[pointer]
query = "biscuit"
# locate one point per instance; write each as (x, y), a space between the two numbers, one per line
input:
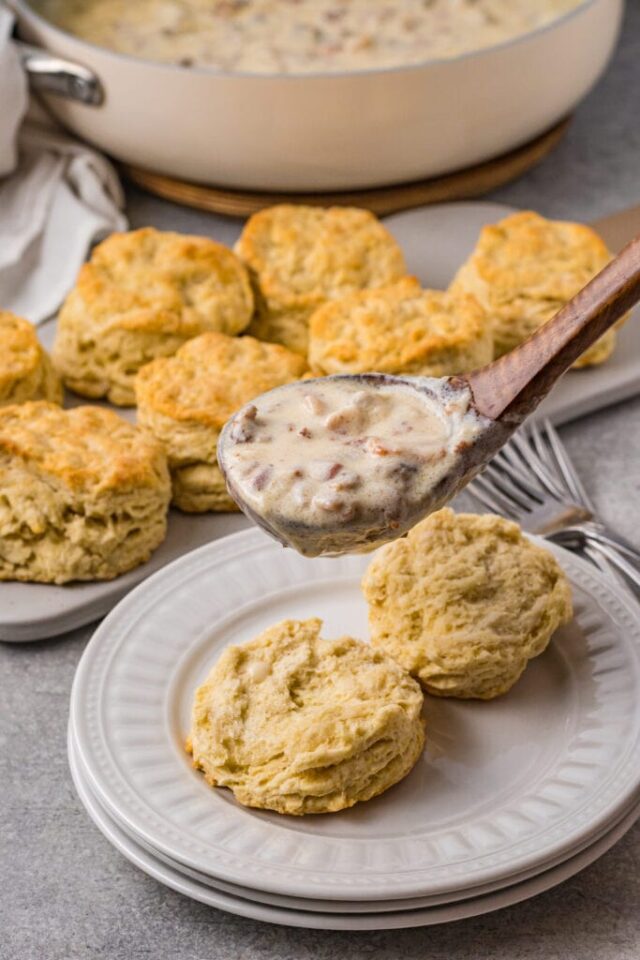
(297, 724)
(185, 400)
(464, 602)
(524, 269)
(400, 329)
(301, 257)
(26, 372)
(84, 494)
(141, 296)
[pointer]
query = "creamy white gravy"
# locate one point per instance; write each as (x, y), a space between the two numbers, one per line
(299, 36)
(341, 464)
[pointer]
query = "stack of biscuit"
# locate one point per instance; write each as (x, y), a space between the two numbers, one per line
(141, 296)
(300, 258)
(458, 607)
(161, 319)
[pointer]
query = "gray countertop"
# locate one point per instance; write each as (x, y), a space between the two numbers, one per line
(65, 893)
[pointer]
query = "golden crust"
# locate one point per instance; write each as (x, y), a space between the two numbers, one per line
(26, 372)
(185, 400)
(87, 448)
(141, 296)
(300, 257)
(317, 725)
(213, 375)
(400, 329)
(464, 602)
(85, 494)
(525, 268)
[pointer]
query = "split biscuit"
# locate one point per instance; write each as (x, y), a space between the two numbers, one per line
(524, 269)
(297, 724)
(464, 602)
(84, 494)
(400, 329)
(300, 257)
(185, 400)
(26, 372)
(141, 296)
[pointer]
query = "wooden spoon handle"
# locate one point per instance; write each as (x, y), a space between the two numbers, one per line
(510, 388)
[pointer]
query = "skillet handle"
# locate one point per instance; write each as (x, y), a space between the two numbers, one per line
(50, 74)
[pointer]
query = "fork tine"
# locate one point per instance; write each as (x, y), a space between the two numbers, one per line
(533, 462)
(544, 453)
(512, 469)
(566, 466)
(541, 449)
(519, 452)
(493, 498)
(478, 495)
(505, 484)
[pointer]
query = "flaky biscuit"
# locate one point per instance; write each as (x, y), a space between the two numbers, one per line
(84, 494)
(524, 269)
(297, 724)
(26, 372)
(300, 257)
(141, 296)
(185, 400)
(400, 329)
(464, 602)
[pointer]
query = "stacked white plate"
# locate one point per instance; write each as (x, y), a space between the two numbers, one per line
(510, 798)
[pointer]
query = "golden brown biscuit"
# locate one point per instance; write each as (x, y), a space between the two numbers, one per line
(301, 257)
(26, 372)
(297, 724)
(464, 602)
(185, 401)
(141, 296)
(400, 329)
(84, 494)
(524, 269)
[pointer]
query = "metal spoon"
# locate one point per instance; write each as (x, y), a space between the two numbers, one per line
(497, 397)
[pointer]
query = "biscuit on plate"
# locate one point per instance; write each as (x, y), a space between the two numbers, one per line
(400, 329)
(300, 257)
(26, 372)
(524, 269)
(464, 602)
(185, 400)
(141, 296)
(84, 494)
(297, 724)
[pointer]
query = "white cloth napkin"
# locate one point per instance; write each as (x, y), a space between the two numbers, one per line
(57, 197)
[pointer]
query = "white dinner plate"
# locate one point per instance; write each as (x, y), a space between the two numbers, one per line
(246, 907)
(436, 240)
(336, 906)
(503, 787)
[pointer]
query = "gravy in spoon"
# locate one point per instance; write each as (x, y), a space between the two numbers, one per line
(342, 464)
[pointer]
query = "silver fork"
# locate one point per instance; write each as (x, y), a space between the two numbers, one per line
(533, 481)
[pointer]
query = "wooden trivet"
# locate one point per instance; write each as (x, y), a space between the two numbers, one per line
(461, 185)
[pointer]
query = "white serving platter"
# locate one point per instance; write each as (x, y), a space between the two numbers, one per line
(504, 787)
(435, 240)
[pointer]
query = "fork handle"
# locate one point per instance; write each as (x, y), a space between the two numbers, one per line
(598, 531)
(630, 571)
(510, 388)
(587, 535)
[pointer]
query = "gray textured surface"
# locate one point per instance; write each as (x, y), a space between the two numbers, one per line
(66, 894)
